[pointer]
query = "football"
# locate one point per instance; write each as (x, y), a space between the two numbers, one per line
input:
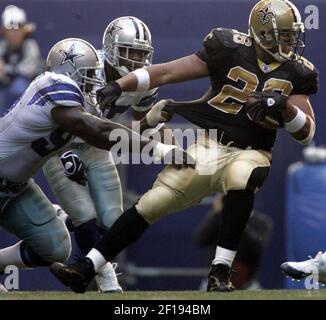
(262, 117)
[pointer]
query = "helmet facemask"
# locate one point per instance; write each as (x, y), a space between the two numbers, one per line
(291, 43)
(128, 59)
(89, 82)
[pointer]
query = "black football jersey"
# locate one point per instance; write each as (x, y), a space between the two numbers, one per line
(235, 72)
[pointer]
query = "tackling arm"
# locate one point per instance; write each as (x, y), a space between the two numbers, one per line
(165, 134)
(92, 129)
(97, 132)
(183, 69)
(187, 68)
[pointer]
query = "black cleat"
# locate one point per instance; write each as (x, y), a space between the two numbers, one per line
(76, 275)
(219, 278)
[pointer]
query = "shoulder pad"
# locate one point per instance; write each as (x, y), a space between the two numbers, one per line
(59, 89)
(304, 66)
(57, 77)
(308, 76)
(220, 38)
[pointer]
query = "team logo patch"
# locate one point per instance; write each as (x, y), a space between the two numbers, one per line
(265, 15)
(270, 102)
(70, 56)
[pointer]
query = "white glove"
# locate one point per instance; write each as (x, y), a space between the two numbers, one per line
(160, 150)
(172, 154)
(154, 115)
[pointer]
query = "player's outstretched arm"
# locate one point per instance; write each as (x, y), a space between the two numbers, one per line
(98, 131)
(299, 118)
(183, 69)
(187, 68)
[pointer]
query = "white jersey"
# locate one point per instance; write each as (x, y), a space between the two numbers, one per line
(139, 101)
(28, 134)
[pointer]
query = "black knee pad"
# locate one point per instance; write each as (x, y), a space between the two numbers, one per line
(257, 178)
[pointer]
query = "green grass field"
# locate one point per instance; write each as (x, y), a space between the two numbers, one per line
(171, 295)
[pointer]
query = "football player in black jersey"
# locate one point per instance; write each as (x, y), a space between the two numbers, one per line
(264, 68)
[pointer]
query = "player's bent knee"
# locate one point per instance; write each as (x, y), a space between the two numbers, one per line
(58, 248)
(243, 176)
(157, 203)
(62, 252)
(257, 178)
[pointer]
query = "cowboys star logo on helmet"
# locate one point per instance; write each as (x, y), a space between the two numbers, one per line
(70, 56)
(265, 15)
(113, 29)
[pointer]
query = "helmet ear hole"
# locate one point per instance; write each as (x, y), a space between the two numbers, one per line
(266, 36)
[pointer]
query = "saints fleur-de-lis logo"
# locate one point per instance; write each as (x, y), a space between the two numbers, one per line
(265, 15)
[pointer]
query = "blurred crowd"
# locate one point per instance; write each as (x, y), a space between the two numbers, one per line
(20, 59)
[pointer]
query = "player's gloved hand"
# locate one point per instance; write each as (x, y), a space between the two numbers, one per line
(73, 167)
(270, 100)
(107, 95)
(157, 115)
(172, 154)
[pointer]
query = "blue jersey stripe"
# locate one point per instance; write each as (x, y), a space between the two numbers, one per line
(53, 88)
(56, 97)
(148, 100)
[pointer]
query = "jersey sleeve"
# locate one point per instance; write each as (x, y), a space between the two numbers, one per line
(62, 92)
(307, 78)
(146, 102)
(219, 44)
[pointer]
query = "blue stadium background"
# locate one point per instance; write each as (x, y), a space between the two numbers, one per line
(178, 28)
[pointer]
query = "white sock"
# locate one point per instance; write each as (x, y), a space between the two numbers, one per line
(11, 256)
(107, 266)
(97, 259)
(224, 256)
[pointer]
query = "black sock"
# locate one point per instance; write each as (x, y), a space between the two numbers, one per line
(31, 258)
(126, 230)
(102, 230)
(69, 225)
(236, 211)
(86, 236)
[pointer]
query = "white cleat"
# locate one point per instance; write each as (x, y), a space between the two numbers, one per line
(2, 289)
(106, 279)
(313, 266)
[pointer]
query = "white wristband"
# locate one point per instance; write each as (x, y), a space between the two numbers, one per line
(160, 150)
(297, 123)
(143, 79)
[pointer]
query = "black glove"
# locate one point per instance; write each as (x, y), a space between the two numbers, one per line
(108, 95)
(271, 100)
(73, 167)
